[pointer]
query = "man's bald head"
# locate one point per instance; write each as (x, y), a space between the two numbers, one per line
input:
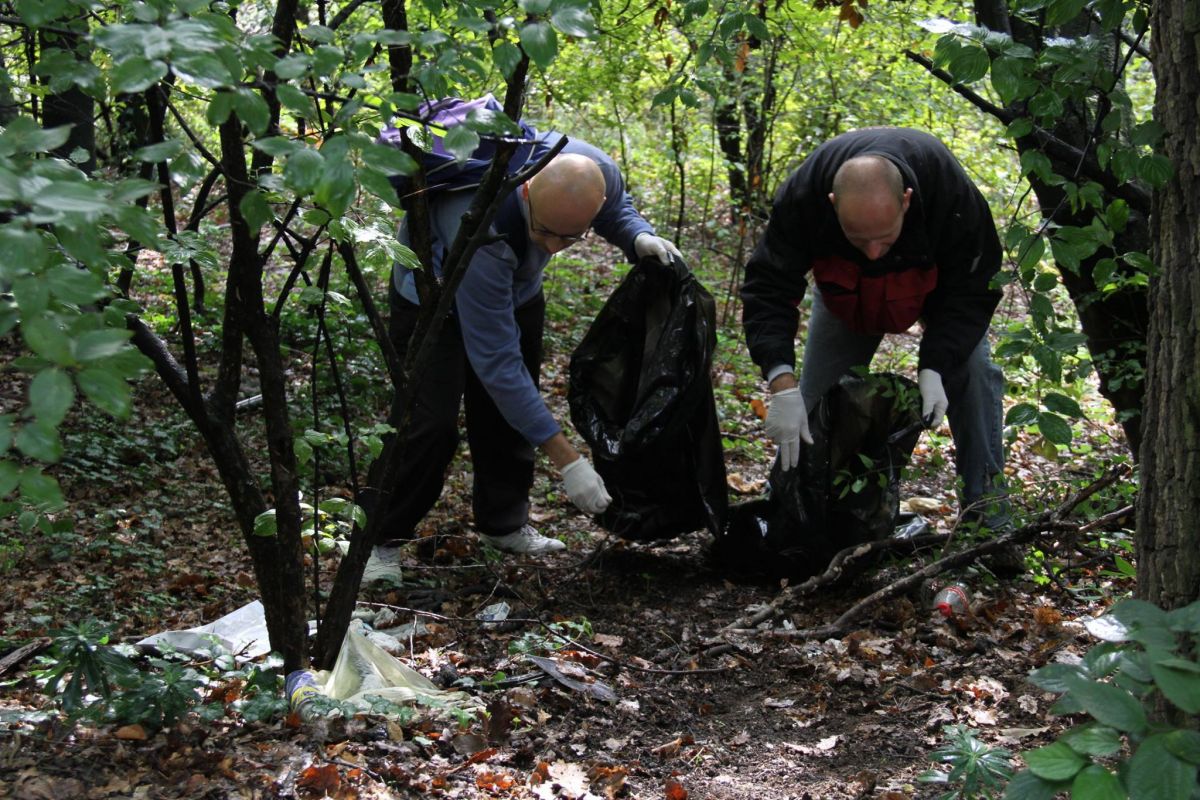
(870, 200)
(564, 198)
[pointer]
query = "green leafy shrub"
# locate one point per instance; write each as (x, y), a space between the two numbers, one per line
(1137, 685)
(91, 679)
(980, 769)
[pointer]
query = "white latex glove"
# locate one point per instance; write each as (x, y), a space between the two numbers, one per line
(647, 244)
(787, 424)
(585, 487)
(933, 398)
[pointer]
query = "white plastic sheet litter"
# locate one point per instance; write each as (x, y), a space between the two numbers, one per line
(241, 633)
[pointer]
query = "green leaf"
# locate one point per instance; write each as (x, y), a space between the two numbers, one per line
(95, 345)
(21, 252)
(73, 285)
(294, 100)
(1055, 762)
(969, 64)
(1092, 740)
(10, 475)
(1021, 414)
(1061, 404)
(460, 141)
(51, 395)
(303, 170)
(506, 56)
(573, 20)
(277, 146)
(1045, 281)
(84, 243)
(1108, 704)
(39, 441)
(1046, 103)
(1054, 428)
(388, 160)
(1027, 786)
(41, 490)
(539, 40)
(1147, 134)
(1060, 11)
(1008, 78)
(1094, 782)
(265, 523)
(137, 74)
(1155, 170)
(1019, 127)
(1179, 681)
(108, 391)
(1182, 744)
(72, 196)
(220, 106)
(252, 110)
(45, 336)
(255, 209)
(1031, 252)
(161, 151)
(36, 13)
(336, 189)
(23, 135)
(203, 69)
(1156, 774)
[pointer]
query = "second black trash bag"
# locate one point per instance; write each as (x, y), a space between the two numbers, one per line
(845, 490)
(641, 396)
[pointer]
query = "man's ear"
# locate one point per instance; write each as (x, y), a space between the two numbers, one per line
(907, 199)
(833, 199)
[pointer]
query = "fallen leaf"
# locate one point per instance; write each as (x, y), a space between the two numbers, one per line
(135, 733)
(675, 790)
(320, 779)
(609, 640)
(743, 485)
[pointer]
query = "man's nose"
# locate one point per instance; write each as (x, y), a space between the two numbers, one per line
(876, 250)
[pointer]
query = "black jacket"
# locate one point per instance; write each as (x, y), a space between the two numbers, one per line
(941, 265)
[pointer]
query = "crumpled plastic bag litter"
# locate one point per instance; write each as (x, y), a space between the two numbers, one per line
(364, 671)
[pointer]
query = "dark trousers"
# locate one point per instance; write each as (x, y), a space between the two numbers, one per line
(501, 458)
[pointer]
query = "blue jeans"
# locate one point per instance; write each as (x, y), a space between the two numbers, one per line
(975, 413)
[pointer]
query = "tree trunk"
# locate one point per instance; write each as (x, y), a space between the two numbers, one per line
(71, 107)
(1168, 519)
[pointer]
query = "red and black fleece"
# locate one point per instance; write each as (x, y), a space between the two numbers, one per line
(938, 270)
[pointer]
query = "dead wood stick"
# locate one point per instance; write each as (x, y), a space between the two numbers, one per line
(1052, 520)
(1049, 520)
(18, 656)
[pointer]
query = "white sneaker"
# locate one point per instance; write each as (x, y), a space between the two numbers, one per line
(526, 540)
(383, 565)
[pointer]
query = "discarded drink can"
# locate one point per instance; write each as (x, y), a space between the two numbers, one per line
(952, 600)
(301, 687)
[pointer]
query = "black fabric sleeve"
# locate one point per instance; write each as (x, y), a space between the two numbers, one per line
(774, 281)
(967, 252)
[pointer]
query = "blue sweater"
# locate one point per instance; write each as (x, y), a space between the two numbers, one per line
(506, 274)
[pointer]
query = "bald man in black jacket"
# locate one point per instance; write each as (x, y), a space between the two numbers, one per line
(892, 231)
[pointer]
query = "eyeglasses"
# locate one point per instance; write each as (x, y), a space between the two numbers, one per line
(546, 232)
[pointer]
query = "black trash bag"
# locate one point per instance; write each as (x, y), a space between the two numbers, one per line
(641, 396)
(845, 490)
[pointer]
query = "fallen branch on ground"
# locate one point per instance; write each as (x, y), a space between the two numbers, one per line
(1049, 521)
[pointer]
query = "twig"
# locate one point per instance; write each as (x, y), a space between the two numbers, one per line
(1052, 520)
(1047, 521)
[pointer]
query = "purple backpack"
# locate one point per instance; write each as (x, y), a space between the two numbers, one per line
(444, 172)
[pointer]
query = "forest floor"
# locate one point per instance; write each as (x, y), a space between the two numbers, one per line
(695, 711)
